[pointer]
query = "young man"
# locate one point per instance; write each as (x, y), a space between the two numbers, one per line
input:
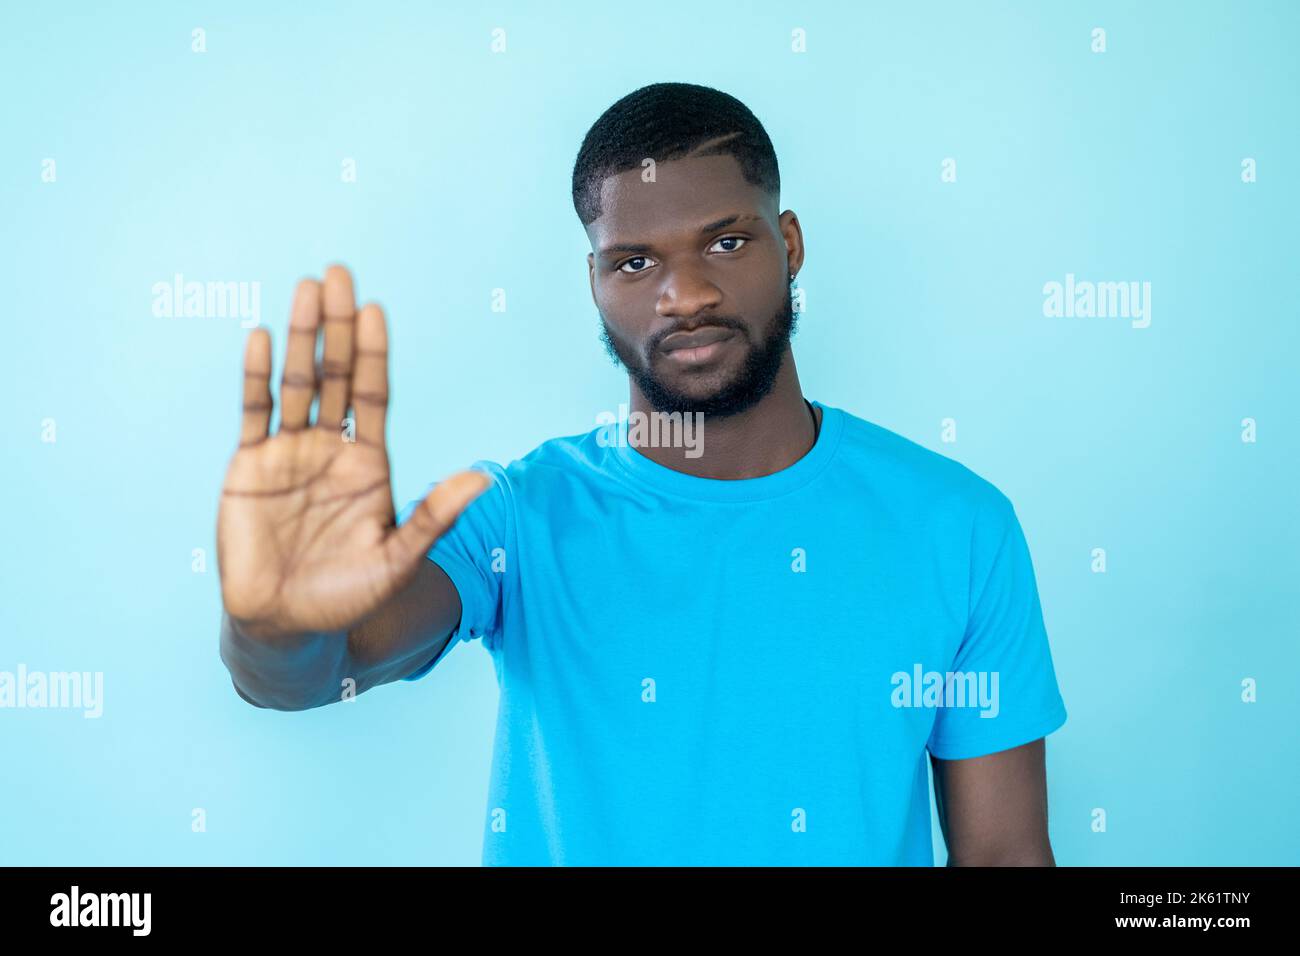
(735, 651)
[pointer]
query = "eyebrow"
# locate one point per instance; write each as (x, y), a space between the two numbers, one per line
(638, 247)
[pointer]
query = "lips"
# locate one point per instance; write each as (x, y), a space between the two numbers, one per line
(696, 339)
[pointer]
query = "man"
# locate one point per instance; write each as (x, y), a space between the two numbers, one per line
(736, 651)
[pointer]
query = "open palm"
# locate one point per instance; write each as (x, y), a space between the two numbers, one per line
(306, 535)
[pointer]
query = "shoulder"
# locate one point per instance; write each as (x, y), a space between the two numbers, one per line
(906, 472)
(559, 459)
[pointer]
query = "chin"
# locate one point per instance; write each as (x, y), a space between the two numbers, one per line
(704, 387)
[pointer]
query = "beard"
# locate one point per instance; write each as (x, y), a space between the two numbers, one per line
(745, 388)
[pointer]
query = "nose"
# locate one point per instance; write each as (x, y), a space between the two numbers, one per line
(686, 293)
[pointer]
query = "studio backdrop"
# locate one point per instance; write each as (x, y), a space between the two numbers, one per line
(1055, 242)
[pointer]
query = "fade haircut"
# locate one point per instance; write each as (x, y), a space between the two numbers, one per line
(666, 121)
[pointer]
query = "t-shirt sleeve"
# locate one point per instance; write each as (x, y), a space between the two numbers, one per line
(1005, 645)
(473, 554)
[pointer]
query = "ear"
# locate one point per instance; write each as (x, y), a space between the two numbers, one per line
(792, 233)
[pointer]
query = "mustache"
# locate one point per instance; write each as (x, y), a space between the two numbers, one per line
(721, 322)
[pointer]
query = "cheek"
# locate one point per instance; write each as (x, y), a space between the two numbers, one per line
(762, 311)
(628, 335)
(623, 320)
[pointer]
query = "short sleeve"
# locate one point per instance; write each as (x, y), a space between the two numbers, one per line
(1004, 646)
(473, 554)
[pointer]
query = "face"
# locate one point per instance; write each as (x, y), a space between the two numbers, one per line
(690, 275)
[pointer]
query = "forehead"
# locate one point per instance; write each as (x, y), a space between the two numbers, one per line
(685, 195)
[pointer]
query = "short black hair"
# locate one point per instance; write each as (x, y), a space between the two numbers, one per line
(666, 121)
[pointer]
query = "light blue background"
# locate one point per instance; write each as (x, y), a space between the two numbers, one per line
(924, 302)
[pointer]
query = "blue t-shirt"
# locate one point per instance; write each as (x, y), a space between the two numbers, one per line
(697, 671)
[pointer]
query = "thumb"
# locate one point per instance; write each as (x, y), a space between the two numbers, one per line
(434, 515)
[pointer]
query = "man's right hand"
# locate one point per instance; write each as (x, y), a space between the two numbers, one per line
(306, 535)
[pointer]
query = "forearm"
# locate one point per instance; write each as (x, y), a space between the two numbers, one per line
(406, 631)
(284, 672)
(301, 671)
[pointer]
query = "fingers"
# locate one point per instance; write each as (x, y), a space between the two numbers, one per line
(435, 514)
(257, 388)
(370, 376)
(336, 365)
(298, 382)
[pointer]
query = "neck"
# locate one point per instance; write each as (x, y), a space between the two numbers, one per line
(769, 436)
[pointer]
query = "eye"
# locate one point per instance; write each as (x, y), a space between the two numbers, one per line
(623, 267)
(740, 239)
